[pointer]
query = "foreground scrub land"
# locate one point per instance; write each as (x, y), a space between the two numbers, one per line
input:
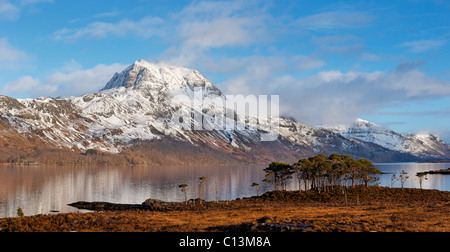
(363, 209)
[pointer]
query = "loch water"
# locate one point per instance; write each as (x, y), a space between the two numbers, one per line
(48, 190)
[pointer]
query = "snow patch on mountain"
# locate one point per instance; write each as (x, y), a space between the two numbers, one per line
(417, 144)
(141, 102)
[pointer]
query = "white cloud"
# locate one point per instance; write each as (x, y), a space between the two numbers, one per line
(207, 10)
(304, 63)
(32, 2)
(420, 46)
(83, 81)
(146, 28)
(328, 76)
(73, 83)
(333, 96)
(263, 75)
(327, 97)
(10, 57)
(23, 85)
(223, 32)
(334, 20)
(10, 10)
(203, 26)
(334, 40)
(113, 13)
(444, 133)
(346, 45)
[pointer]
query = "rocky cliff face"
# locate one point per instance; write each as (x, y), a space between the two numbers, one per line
(158, 103)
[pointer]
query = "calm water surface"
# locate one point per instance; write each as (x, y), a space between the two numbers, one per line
(43, 190)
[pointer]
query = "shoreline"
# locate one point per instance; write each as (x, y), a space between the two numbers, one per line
(187, 165)
(435, 162)
(439, 172)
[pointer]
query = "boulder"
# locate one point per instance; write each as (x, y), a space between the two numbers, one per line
(103, 206)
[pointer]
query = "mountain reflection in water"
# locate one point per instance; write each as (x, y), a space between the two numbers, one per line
(45, 190)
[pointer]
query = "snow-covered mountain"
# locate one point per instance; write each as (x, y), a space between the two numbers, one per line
(421, 145)
(164, 105)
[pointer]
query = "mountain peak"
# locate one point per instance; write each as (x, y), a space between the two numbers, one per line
(158, 76)
(360, 123)
(357, 124)
(136, 73)
(154, 64)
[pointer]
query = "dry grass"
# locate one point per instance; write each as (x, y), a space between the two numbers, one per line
(429, 214)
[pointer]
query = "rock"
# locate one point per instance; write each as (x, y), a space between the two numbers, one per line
(442, 172)
(266, 219)
(275, 224)
(149, 204)
(103, 206)
(152, 202)
(157, 205)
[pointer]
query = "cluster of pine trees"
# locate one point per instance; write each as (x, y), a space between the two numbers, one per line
(321, 171)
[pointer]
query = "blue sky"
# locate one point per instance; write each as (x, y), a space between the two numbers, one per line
(330, 61)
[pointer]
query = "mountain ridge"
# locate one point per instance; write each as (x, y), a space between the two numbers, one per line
(416, 144)
(139, 105)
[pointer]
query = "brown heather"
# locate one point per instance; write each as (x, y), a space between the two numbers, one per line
(368, 209)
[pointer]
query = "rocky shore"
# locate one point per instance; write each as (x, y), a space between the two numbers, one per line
(149, 205)
(442, 172)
